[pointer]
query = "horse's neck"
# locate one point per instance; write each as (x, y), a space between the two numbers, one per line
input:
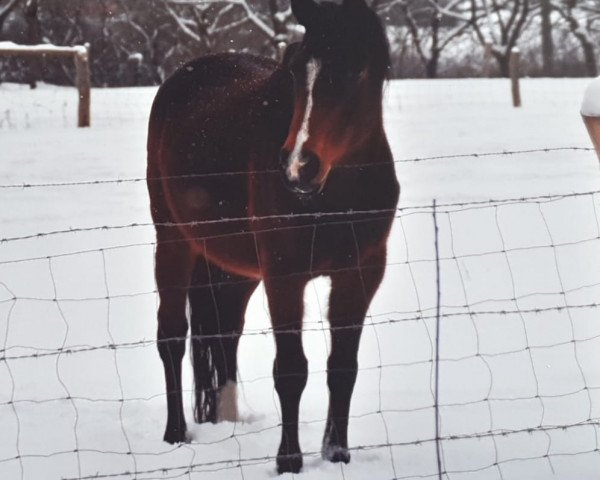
(279, 91)
(275, 111)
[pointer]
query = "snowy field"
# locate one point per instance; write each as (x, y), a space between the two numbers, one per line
(516, 364)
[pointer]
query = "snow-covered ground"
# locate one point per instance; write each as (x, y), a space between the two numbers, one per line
(517, 374)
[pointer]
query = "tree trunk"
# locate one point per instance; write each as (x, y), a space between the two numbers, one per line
(34, 37)
(503, 60)
(547, 40)
(589, 53)
(431, 68)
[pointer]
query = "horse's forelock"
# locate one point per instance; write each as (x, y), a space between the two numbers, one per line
(356, 25)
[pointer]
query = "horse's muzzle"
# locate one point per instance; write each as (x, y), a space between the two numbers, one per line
(300, 174)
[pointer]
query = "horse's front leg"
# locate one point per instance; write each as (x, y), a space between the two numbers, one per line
(173, 271)
(351, 294)
(290, 370)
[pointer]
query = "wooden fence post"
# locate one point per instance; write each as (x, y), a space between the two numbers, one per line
(515, 74)
(83, 83)
(487, 59)
(81, 57)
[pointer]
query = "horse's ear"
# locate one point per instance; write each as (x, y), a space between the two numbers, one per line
(304, 11)
(355, 4)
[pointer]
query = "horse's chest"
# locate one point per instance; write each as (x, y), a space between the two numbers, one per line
(346, 245)
(336, 229)
(336, 247)
(321, 248)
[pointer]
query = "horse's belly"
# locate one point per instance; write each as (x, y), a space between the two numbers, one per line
(211, 216)
(234, 253)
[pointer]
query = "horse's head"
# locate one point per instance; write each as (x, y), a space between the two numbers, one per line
(338, 70)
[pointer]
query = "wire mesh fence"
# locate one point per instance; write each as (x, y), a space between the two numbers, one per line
(480, 348)
(512, 306)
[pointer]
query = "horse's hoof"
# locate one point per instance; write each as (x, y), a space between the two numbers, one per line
(335, 453)
(176, 435)
(289, 463)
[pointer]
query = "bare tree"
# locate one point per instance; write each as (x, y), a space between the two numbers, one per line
(502, 23)
(200, 21)
(249, 14)
(430, 30)
(581, 18)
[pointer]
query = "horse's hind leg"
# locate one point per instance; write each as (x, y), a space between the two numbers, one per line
(351, 294)
(218, 302)
(174, 265)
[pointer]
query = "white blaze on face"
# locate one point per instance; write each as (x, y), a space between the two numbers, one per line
(295, 161)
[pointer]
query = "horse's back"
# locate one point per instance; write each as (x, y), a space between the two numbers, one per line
(206, 78)
(205, 114)
(215, 71)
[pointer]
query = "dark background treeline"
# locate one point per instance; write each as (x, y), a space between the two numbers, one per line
(140, 42)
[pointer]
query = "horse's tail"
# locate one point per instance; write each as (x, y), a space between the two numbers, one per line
(203, 347)
(205, 379)
(216, 318)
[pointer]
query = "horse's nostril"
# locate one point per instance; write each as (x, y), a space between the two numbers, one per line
(300, 171)
(310, 167)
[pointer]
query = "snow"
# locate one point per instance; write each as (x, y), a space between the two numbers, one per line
(590, 106)
(136, 57)
(512, 371)
(43, 48)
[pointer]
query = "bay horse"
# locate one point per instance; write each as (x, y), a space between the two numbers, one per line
(272, 172)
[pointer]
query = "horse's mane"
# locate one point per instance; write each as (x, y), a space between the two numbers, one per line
(381, 49)
(371, 30)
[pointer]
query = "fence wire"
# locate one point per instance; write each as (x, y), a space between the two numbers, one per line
(542, 422)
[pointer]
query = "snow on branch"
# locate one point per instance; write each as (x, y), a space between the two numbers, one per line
(250, 13)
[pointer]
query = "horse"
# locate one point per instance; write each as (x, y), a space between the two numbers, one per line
(277, 172)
